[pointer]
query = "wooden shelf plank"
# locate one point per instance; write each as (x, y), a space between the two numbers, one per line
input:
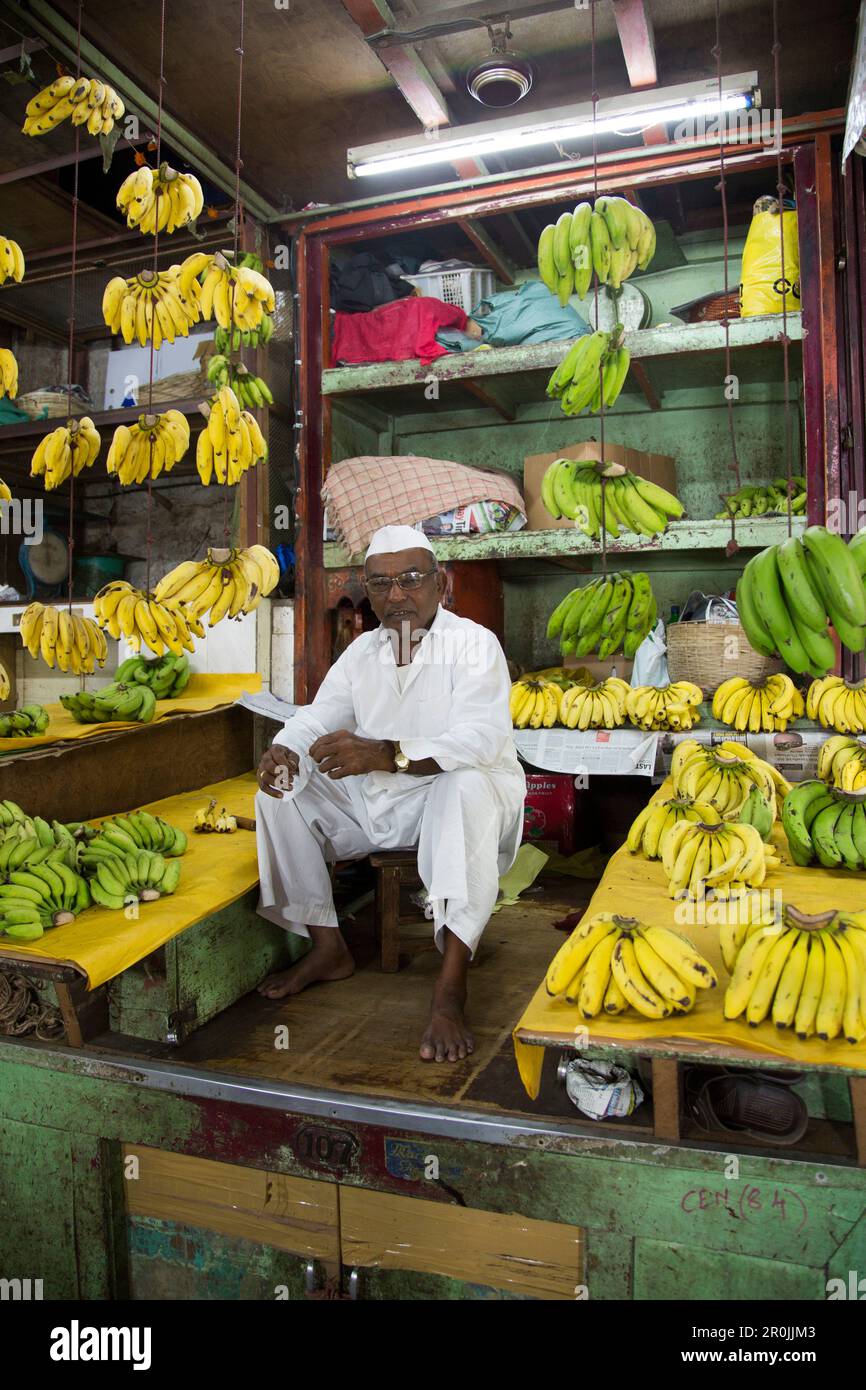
(754, 534)
(490, 362)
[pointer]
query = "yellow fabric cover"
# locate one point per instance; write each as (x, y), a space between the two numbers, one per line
(202, 693)
(637, 887)
(215, 871)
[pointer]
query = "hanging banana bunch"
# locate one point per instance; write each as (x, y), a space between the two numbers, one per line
(160, 200)
(66, 639)
(65, 451)
(226, 584)
(85, 100)
(231, 442)
(11, 261)
(154, 444)
(8, 375)
(234, 295)
(151, 304)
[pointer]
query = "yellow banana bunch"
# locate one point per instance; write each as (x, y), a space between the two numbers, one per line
(11, 260)
(535, 704)
(610, 963)
(721, 859)
(85, 100)
(151, 305)
(650, 827)
(842, 763)
(231, 442)
(62, 638)
(762, 706)
(65, 451)
(226, 584)
(724, 776)
(838, 704)
(563, 676)
(142, 619)
(152, 445)
(160, 200)
(600, 706)
(8, 375)
(802, 972)
(5, 492)
(674, 706)
(5, 683)
(236, 296)
(207, 821)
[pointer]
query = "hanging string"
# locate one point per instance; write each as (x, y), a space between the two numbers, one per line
(71, 350)
(780, 192)
(237, 220)
(603, 499)
(717, 54)
(161, 85)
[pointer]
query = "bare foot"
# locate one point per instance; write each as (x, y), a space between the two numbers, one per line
(328, 959)
(447, 1037)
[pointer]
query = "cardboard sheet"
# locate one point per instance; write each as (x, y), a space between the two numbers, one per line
(215, 871)
(202, 693)
(637, 887)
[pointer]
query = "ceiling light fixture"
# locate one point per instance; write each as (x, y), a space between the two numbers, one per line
(503, 79)
(689, 102)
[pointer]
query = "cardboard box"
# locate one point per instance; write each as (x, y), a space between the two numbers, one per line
(658, 468)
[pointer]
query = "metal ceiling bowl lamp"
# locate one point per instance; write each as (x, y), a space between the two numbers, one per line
(503, 78)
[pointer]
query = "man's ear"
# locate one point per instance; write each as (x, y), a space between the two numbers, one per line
(441, 582)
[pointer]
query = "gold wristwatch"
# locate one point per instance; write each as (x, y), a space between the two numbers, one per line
(400, 758)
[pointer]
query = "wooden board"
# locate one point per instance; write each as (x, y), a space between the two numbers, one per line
(299, 1215)
(539, 1259)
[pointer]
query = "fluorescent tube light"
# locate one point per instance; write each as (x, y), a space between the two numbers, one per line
(697, 101)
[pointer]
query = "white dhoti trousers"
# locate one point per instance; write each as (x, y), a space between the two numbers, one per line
(466, 824)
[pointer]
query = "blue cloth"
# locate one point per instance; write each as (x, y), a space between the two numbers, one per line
(529, 314)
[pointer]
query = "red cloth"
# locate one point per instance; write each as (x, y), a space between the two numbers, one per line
(394, 332)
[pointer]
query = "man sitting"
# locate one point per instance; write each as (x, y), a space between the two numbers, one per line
(408, 742)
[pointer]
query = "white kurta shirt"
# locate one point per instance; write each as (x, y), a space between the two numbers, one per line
(453, 708)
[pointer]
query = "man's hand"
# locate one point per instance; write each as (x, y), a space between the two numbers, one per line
(346, 755)
(277, 769)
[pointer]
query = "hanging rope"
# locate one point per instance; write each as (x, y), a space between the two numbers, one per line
(238, 220)
(72, 288)
(717, 54)
(780, 193)
(597, 318)
(161, 85)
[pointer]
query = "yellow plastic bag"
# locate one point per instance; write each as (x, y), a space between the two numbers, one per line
(761, 288)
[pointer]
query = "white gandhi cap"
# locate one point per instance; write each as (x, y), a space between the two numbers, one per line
(388, 540)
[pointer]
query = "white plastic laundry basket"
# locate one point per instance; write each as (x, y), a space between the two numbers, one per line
(464, 288)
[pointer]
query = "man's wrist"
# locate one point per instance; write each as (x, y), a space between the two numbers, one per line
(389, 750)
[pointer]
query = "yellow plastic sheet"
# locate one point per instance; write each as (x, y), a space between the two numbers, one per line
(637, 887)
(215, 871)
(202, 693)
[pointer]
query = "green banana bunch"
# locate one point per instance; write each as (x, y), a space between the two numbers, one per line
(32, 840)
(592, 370)
(232, 340)
(10, 813)
(613, 239)
(134, 831)
(37, 896)
(253, 391)
(765, 500)
(132, 702)
(26, 722)
(788, 593)
(574, 490)
(607, 613)
(167, 676)
(117, 879)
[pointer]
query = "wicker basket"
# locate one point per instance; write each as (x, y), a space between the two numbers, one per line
(709, 653)
(50, 405)
(183, 386)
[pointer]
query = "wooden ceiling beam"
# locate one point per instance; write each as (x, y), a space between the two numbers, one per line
(495, 257)
(638, 43)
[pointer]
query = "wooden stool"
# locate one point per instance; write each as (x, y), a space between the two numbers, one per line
(393, 868)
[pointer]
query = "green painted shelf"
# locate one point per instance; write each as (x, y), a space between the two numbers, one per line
(668, 341)
(753, 534)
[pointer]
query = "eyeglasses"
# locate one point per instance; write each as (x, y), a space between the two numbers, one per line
(381, 584)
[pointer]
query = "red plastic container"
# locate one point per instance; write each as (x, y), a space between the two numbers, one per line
(549, 810)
